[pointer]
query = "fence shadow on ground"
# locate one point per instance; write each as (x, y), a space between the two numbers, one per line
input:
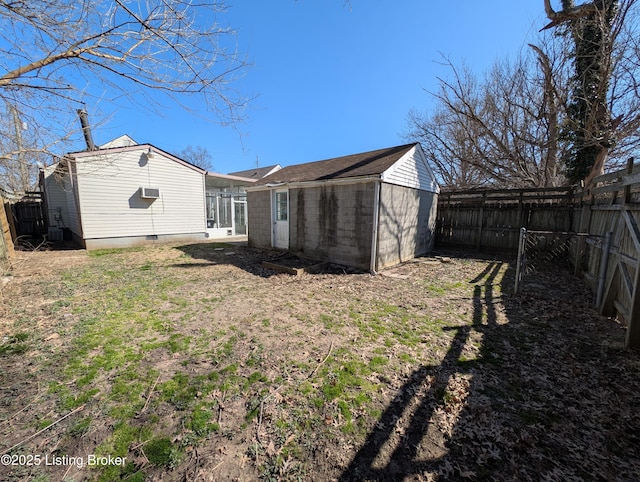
(550, 397)
(403, 461)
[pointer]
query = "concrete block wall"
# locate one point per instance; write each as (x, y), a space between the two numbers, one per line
(259, 218)
(333, 223)
(407, 224)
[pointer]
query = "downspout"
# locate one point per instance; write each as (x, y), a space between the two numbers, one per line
(374, 231)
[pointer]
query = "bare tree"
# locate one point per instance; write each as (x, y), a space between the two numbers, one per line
(449, 148)
(57, 56)
(495, 131)
(198, 156)
(600, 83)
(561, 112)
(20, 153)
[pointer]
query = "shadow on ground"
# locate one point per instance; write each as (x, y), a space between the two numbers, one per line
(553, 395)
(246, 258)
(41, 243)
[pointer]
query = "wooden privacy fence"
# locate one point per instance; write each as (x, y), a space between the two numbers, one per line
(612, 206)
(29, 215)
(490, 220)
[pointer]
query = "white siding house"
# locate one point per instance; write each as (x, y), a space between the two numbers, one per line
(123, 196)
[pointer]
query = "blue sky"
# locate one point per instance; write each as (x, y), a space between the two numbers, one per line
(332, 80)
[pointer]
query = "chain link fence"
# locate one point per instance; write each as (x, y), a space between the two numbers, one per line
(545, 250)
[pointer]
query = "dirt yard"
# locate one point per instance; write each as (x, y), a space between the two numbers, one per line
(194, 362)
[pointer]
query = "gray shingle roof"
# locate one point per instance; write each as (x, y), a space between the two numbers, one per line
(355, 165)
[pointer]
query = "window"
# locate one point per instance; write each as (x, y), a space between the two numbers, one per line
(281, 206)
(212, 210)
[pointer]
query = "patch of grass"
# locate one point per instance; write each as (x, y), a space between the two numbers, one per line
(345, 377)
(123, 436)
(200, 421)
(74, 401)
(15, 344)
(119, 320)
(178, 391)
(44, 423)
(178, 343)
(255, 377)
(256, 355)
(180, 302)
(212, 300)
(97, 253)
(465, 360)
(161, 452)
(81, 427)
(394, 324)
(225, 351)
(377, 362)
(131, 315)
(330, 322)
(58, 305)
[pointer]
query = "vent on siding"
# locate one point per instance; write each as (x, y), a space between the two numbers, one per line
(149, 192)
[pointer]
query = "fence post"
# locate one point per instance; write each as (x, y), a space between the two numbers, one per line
(5, 231)
(627, 189)
(521, 258)
(604, 266)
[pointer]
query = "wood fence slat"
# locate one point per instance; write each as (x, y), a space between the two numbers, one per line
(615, 174)
(626, 277)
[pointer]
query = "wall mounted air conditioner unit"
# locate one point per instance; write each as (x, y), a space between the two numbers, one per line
(149, 192)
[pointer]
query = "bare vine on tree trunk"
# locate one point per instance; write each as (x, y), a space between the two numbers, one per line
(591, 130)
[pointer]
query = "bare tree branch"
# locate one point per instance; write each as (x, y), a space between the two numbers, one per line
(58, 56)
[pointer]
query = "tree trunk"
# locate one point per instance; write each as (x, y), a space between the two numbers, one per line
(590, 129)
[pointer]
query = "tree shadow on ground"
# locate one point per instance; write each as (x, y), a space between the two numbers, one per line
(247, 258)
(552, 395)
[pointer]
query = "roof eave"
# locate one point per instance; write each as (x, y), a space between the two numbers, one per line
(315, 183)
(143, 147)
(231, 177)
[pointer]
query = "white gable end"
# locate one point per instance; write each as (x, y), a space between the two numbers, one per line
(122, 141)
(276, 168)
(412, 170)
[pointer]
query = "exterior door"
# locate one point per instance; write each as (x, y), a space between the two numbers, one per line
(240, 218)
(280, 216)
